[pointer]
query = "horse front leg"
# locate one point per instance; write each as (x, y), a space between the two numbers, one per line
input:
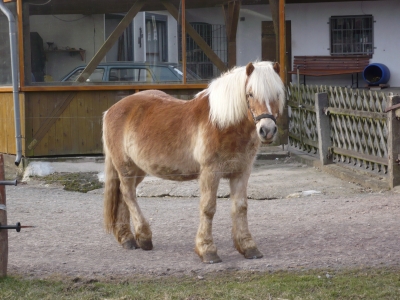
(205, 247)
(242, 238)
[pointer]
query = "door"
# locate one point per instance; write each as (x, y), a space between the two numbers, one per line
(269, 52)
(156, 38)
(269, 46)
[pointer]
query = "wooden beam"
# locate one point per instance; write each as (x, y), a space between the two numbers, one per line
(231, 15)
(282, 41)
(183, 6)
(111, 40)
(196, 37)
(123, 87)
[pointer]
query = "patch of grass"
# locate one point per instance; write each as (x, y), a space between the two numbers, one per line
(351, 284)
(76, 182)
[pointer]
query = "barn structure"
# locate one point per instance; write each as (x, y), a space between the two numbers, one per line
(63, 118)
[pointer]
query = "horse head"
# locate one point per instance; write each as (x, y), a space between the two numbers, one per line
(264, 101)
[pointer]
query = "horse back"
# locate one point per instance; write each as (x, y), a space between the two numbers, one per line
(156, 132)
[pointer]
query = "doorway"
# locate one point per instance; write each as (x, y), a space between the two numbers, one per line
(268, 44)
(156, 38)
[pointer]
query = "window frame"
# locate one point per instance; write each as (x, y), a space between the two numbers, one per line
(352, 34)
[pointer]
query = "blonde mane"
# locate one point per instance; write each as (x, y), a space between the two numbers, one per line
(227, 94)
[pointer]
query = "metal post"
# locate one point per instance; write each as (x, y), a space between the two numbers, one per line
(14, 75)
(3, 220)
(323, 128)
(393, 119)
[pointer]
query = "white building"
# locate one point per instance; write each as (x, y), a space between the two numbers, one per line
(309, 34)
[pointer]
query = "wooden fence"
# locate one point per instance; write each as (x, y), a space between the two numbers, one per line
(347, 126)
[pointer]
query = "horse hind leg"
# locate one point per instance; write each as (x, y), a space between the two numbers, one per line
(129, 182)
(122, 230)
(242, 238)
(116, 212)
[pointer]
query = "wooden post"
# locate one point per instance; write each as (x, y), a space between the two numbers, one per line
(323, 128)
(183, 27)
(274, 7)
(393, 142)
(231, 15)
(282, 40)
(3, 221)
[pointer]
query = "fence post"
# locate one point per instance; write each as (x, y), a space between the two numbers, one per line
(323, 128)
(393, 142)
(3, 220)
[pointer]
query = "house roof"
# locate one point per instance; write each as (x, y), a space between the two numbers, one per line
(46, 7)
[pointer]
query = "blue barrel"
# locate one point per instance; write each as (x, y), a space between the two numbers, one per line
(376, 74)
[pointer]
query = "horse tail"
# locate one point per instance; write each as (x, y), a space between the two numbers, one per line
(112, 195)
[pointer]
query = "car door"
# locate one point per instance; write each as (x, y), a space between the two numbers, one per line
(130, 74)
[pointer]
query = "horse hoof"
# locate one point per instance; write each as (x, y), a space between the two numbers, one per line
(130, 244)
(211, 258)
(252, 253)
(146, 245)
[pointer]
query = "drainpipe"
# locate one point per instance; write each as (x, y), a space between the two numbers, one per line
(14, 74)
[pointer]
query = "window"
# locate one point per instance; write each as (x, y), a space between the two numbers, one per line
(197, 60)
(156, 38)
(351, 35)
(58, 42)
(5, 56)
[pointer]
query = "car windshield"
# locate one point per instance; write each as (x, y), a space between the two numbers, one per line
(97, 75)
(164, 73)
(190, 75)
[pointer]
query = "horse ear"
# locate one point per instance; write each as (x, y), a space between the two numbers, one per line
(249, 69)
(277, 67)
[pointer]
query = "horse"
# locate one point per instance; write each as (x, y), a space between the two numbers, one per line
(215, 135)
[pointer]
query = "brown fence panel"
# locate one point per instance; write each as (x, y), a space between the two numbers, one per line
(362, 134)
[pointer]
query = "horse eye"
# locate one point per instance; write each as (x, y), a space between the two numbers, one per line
(251, 95)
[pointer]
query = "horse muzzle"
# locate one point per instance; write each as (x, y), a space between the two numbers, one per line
(266, 130)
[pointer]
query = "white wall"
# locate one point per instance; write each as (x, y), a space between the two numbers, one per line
(310, 34)
(73, 31)
(248, 36)
(172, 39)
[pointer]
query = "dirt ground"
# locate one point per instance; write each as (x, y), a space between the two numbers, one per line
(341, 225)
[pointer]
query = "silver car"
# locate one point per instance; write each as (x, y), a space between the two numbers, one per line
(134, 72)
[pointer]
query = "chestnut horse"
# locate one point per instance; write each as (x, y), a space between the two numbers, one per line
(215, 135)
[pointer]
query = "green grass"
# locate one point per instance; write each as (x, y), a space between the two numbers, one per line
(76, 182)
(354, 284)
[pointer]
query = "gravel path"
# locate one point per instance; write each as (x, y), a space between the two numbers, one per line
(344, 226)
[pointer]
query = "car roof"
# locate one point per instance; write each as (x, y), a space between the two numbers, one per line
(133, 63)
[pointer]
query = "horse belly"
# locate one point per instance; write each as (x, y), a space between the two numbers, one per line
(173, 173)
(173, 170)
(172, 166)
